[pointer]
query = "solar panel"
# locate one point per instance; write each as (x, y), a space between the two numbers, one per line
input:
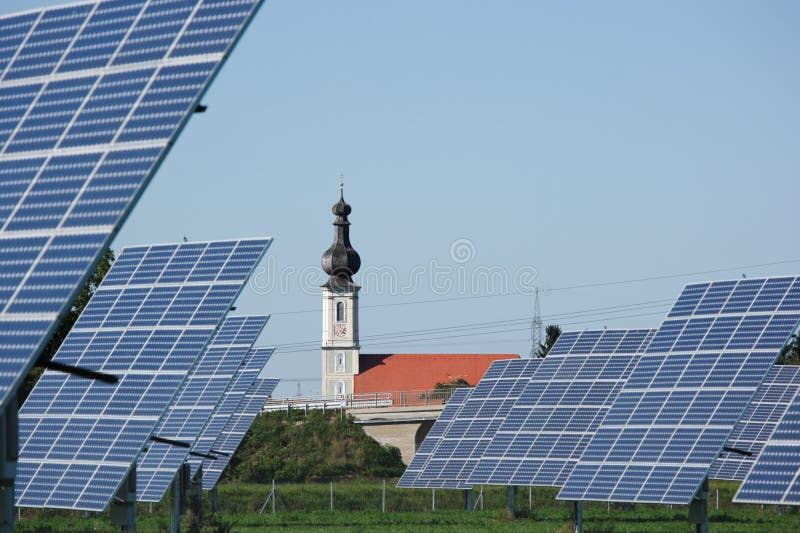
(475, 425)
(410, 478)
(758, 422)
(253, 365)
(191, 409)
(680, 404)
(237, 427)
(774, 478)
(92, 96)
(560, 408)
(149, 320)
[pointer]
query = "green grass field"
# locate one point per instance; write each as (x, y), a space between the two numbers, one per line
(306, 507)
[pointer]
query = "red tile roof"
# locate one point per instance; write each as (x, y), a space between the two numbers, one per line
(420, 371)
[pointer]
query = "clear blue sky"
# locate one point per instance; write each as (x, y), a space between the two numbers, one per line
(592, 141)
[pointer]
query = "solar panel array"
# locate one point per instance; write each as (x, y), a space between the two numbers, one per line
(758, 422)
(191, 409)
(560, 408)
(92, 96)
(237, 427)
(150, 319)
(463, 444)
(687, 392)
(253, 365)
(410, 478)
(775, 476)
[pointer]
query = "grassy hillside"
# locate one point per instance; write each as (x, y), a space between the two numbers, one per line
(296, 448)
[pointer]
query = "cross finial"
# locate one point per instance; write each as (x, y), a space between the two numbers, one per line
(341, 181)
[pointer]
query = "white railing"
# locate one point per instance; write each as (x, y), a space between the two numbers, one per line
(364, 400)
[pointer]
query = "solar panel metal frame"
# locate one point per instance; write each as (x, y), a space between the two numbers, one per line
(78, 442)
(237, 427)
(45, 324)
(658, 441)
(758, 423)
(562, 404)
(410, 478)
(194, 403)
(254, 364)
(476, 423)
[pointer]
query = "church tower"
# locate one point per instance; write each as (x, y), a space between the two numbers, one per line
(340, 349)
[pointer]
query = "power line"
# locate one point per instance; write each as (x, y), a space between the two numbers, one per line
(388, 338)
(557, 289)
(653, 304)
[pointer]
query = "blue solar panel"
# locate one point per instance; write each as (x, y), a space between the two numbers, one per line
(92, 96)
(680, 404)
(150, 319)
(410, 478)
(476, 423)
(191, 409)
(253, 365)
(758, 422)
(775, 476)
(236, 428)
(560, 408)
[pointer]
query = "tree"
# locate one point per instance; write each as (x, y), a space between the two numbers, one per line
(790, 355)
(458, 382)
(552, 333)
(68, 321)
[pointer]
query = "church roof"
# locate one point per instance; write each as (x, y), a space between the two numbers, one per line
(407, 372)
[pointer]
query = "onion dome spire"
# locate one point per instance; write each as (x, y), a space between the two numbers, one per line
(341, 261)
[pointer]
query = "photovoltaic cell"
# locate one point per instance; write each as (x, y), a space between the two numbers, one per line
(246, 375)
(560, 408)
(92, 96)
(758, 422)
(475, 425)
(191, 409)
(687, 392)
(147, 323)
(237, 427)
(410, 478)
(775, 476)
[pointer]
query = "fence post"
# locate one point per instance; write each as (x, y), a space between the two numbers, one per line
(717, 499)
(433, 499)
(273, 495)
(383, 497)
(331, 495)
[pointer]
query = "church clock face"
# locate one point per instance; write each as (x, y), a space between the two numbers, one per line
(340, 330)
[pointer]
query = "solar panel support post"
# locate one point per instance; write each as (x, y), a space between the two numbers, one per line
(123, 505)
(578, 511)
(213, 497)
(175, 507)
(8, 462)
(195, 492)
(698, 509)
(511, 501)
(468, 500)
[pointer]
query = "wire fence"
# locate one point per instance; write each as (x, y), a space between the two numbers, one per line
(384, 496)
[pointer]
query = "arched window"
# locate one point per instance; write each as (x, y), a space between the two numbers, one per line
(340, 362)
(340, 312)
(340, 389)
